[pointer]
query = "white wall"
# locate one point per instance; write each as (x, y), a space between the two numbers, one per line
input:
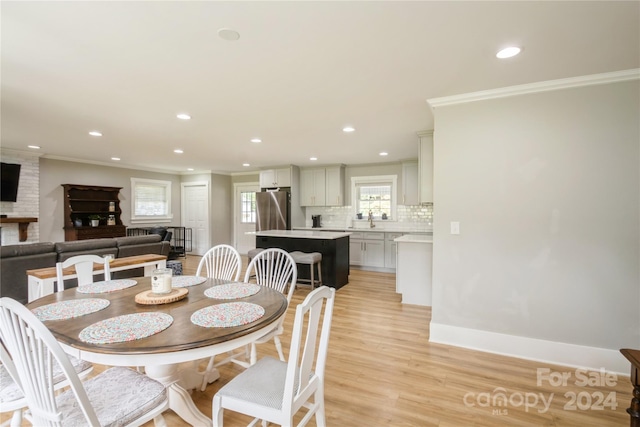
(54, 173)
(546, 188)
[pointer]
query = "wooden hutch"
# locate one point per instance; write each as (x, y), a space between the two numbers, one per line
(83, 201)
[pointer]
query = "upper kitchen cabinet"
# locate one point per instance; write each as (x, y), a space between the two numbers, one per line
(410, 183)
(425, 166)
(313, 187)
(322, 186)
(275, 178)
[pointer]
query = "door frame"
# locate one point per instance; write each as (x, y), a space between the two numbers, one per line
(236, 202)
(183, 200)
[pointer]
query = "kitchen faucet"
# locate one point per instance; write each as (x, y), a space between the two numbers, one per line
(371, 224)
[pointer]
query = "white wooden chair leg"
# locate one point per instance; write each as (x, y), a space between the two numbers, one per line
(276, 339)
(254, 354)
(218, 412)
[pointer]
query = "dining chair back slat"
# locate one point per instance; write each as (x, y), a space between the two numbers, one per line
(220, 262)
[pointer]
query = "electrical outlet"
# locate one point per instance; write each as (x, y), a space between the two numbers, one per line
(455, 227)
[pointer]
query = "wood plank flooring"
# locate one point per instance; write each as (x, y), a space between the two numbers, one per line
(383, 371)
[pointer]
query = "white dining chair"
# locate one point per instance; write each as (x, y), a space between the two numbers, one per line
(83, 265)
(118, 396)
(11, 397)
(276, 269)
(273, 390)
(221, 262)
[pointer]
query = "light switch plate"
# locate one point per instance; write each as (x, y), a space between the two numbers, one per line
(455, 227)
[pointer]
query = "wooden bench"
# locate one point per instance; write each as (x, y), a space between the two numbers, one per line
(41, 280)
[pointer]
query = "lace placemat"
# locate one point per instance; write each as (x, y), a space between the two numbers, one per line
(69, 309)
(186, 281)
(232, 290)
(124, 328)
(106, 286)
(227, 315)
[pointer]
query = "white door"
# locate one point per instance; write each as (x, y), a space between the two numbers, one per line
(195, 214)
(244, 214)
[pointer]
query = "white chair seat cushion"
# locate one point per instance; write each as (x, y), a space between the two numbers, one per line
(9, 390)
(306, 257)
(261, 384)
(114, 404)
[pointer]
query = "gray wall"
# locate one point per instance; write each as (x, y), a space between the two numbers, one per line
(53, 173)
(546, 188)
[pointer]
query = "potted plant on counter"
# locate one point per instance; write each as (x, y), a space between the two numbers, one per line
(95, 220)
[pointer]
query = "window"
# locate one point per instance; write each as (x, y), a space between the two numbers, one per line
(151, 200)
(375, 194)
(248, 203)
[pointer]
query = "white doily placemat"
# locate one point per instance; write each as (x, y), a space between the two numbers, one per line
(227, 315)
(69, 309)
(124, 328)
(186, 281)
(232, 290)
(106, 286)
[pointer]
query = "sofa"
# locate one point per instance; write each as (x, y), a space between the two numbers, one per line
(15, 260)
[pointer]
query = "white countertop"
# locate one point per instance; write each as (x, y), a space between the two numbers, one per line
(302, 234)
(365, 229)
(414, 238)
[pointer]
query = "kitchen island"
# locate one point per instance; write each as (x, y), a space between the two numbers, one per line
(334, 247)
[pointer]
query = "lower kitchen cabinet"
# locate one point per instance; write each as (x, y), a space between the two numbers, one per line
(390, 249)
(367, 249)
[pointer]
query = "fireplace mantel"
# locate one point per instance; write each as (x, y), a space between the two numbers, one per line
(23, 225)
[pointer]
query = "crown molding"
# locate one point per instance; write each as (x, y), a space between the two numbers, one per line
(109, 165)
(20, 152)
(590, 80)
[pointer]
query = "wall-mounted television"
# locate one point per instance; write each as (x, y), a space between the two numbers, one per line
(10, 173)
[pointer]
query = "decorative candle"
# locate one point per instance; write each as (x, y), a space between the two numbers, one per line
(161, 281)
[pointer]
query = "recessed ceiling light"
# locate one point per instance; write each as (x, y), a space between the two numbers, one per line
(189, 169)
(34, 147)
(115, 158)
(178, 151)
(246, 164)
(183, 116)
(228, 34)
(384, 153)
(313, 159)
(508, 52)
(348, 129)
(95, 133)
(256, 140)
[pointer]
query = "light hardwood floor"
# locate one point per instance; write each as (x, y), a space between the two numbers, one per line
(383, 371)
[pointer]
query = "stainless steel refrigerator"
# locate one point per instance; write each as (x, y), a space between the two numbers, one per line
(273, 210)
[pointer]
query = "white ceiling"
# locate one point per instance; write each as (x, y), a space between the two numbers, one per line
(299, 73)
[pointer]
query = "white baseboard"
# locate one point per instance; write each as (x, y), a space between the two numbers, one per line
(558, 353)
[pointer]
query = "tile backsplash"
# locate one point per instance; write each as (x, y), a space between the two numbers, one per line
(409, 217)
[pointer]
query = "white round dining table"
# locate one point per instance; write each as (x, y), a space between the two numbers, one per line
(162, 352)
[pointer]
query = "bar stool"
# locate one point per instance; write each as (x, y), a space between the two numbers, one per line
(310, 259)
(253, 252)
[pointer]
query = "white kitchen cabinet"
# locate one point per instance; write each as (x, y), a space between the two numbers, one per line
(425, 166)
(312, 187)
(366, 249)
(275, 178)
(413, 272)
(334, 186)
(322, 186)
(410, 184)
(390, 249)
